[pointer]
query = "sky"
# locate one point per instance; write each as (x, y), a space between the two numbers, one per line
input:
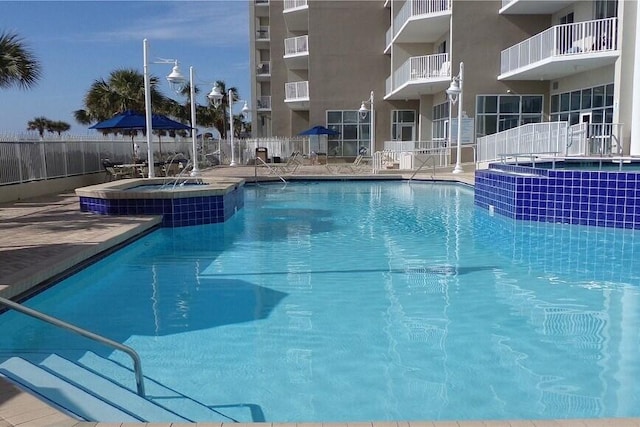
(78, 42)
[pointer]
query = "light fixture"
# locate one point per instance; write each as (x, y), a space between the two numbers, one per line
(216, 97)
(363, 110)
(177, 82)
(454, 92)
(174, 78)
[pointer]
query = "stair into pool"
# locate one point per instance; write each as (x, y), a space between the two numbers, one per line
(80, 389)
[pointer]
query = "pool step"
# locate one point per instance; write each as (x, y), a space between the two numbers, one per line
(109, 390)
(63, 394)
(168, 398)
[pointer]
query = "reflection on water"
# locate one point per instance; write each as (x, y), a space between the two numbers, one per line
(359, 301)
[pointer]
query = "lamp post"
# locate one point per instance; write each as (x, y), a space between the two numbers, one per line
(216, 96)
(363, 113)
(176, 79)
(455, 95)
(147, 106)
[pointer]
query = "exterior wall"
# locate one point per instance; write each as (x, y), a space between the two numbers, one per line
(479, 36)
(27, 190)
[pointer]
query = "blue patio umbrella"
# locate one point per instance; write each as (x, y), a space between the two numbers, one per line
(133, 120)
(319, 130)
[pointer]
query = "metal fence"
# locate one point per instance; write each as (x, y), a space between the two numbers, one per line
(583, 139)
(27, 157)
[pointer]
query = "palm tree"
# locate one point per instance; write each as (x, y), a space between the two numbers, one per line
(18, 65)
(58, 127)
(40, 124)
(123, 90)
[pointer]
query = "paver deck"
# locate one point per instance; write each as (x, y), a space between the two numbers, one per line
(44, 237)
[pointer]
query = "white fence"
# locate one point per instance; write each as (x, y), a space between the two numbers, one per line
(552, 137)
(25, 157)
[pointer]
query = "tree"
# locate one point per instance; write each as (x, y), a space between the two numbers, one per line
(40, 124)
(123, 90)
(58, 127)
(18, 65)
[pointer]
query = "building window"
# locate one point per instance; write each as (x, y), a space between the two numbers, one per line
(496, 113)
(353, 129)
(440, 122)
(403, 125)
(606, 9)
(598, 100)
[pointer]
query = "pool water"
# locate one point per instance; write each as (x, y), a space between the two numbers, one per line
(358, 301)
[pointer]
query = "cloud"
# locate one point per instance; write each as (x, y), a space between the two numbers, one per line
(214, 23)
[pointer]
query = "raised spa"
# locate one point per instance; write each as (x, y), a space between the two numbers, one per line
(190, 201)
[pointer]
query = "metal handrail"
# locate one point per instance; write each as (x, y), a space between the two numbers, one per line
(430, 157)
(273, 170)
(137, 365)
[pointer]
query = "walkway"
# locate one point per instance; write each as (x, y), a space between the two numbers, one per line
(42, 238)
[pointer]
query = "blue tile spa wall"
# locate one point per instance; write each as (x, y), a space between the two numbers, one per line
(175, 212)
(595, 198)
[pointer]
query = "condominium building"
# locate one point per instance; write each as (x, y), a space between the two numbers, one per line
(314, 62)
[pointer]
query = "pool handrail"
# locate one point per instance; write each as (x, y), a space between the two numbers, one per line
(137, 364)
(271, 169)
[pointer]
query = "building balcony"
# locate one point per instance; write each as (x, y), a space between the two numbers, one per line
(561, 51)
(263, 103)
(422, 21)
(296, 15)
(263, 34)
(296, 53)
(263, 71)
(297, 95)
(533, 7)
(420, 75)
(261, 7)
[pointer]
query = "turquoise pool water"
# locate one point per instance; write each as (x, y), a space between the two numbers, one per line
(355, 301)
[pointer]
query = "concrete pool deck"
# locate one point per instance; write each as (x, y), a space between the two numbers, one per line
(44, 237)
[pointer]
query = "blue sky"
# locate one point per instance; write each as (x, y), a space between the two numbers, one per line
(78, 42)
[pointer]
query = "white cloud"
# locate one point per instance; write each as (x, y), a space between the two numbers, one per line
(217, 23)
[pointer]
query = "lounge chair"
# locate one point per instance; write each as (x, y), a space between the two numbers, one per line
(359, 165)
(290, 167)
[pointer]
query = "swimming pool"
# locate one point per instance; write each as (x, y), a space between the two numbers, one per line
(353, 301)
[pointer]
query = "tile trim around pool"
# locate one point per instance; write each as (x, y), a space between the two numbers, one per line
(593, 198)
(213, 200)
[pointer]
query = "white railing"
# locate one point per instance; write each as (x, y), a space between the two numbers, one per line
(594, 139)
(24, 157)
(413, 145)
(263, 103)
(293, 4)
(552, 137)
(421, 68)
(296, 91)
(562, 41)
(410, 159)
(296, 45)
(529, 138)
(263, 68)
(414, 8)
(262, 33)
